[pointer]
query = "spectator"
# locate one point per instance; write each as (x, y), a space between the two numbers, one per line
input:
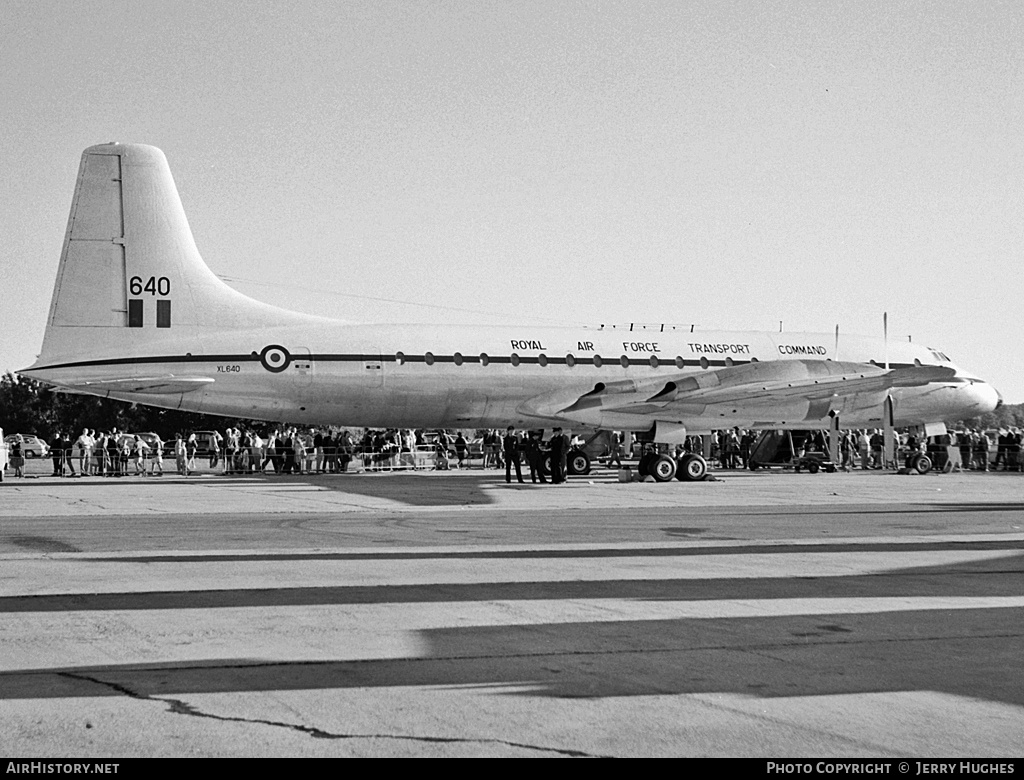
(17, 456)
(139, 449)
(981, 448)
(158, 457)
(461, 448)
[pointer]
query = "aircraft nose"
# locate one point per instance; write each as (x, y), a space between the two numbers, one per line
(985, 397)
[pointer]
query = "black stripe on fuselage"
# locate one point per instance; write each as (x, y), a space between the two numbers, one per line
(254, 357)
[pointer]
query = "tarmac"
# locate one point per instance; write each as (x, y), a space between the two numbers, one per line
(765, 615)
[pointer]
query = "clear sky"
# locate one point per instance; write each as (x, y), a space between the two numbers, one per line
(730, 164)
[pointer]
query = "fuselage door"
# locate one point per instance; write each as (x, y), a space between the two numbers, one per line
(301, 369)
(372, 367)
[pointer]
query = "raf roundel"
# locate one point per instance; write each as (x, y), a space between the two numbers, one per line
(275, 358)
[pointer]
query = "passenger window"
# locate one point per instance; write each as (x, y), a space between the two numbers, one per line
(400, 358)
(458, 358)
(704, 362)
(570, 361)
(429, 358)
(542, 359)
(515, 359)
(624, 361)
(680, 362)
(484, 360)
(597, 361)
(654, 361)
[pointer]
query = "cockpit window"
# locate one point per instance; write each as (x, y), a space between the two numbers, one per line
(939, 355)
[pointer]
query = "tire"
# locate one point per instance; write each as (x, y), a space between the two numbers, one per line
(578, 463)
(812, 467)
(662, 468)
(644, 464)
(753, 465)
(691, 468)
(545, 464)
(923, 464)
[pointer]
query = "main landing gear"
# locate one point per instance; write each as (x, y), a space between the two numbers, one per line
(689, 467)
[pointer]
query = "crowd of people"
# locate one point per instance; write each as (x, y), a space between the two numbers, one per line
(290, 450)
(967, 449)
(284, 450)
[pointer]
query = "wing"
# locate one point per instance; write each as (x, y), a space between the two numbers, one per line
(781, 390)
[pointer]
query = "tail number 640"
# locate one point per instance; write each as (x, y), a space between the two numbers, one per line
(154, 285)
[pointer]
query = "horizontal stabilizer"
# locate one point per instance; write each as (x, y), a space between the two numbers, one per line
(155, 385)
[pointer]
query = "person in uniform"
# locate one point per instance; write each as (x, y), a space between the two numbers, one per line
(535, 458)
(557, 447)
(510, 444)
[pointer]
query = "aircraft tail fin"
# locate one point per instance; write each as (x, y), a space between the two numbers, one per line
(130, 273)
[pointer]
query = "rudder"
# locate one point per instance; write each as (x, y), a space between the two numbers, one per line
(130, 272)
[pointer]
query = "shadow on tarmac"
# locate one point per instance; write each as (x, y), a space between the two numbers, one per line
(968, 653)
(992, 577)
(965, 652)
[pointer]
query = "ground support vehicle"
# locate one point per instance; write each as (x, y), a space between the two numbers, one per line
(919, 462)
(814, 462)
(577, 462)
(788, 449)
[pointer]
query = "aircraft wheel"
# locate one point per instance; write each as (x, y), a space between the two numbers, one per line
(812, 467)
(579, 463)
(643, 467)
(662, 468)
(923, 464)
(692, 468)
(753, 465)
(545, 464)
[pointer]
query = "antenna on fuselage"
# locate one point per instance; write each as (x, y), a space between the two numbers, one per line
(885, 338)
(835, 354)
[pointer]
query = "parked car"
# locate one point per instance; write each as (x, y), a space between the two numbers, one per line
(31, 446)
(151, 438)
(205, 442)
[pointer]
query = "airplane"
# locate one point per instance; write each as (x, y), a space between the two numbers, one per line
(137, 315)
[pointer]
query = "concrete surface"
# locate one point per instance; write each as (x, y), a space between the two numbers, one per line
(449, 614)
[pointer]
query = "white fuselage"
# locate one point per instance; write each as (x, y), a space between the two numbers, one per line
(331, 373)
